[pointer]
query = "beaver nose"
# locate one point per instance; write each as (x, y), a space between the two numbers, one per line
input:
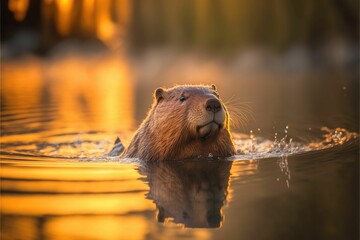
(213, 105)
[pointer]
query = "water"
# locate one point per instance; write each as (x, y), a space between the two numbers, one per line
(295, 178)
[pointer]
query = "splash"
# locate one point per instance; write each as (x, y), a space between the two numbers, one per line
(333, 137)
(253, 147)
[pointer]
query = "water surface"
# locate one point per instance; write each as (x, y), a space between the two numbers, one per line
(293, 178)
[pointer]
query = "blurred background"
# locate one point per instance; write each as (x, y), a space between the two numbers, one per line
(93, 65)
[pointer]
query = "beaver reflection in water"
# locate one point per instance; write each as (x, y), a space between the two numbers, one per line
(185, 121)
(188, 192)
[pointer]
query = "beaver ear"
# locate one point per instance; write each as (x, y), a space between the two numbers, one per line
(213, 87)
(158, 94)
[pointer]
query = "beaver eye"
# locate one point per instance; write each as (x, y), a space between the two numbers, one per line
(182, 98)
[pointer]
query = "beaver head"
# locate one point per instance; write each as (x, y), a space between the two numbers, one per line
(184, 121)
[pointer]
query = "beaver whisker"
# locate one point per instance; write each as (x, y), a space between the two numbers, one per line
(241, 111)
(239, 114)
(237, 123)
(232, 99)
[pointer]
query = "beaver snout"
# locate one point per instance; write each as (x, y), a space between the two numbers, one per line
(212, 119)
(213, 105)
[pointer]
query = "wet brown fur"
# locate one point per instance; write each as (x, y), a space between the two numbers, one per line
(168, 131)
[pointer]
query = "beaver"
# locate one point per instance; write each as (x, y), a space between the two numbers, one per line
(185, 121)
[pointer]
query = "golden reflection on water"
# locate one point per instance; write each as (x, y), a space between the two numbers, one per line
(78, 94)
(59, 170)
(21, 84)
(103, 227)
(69, 94)
(82, 200)
(105, 86)
(37, 205)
